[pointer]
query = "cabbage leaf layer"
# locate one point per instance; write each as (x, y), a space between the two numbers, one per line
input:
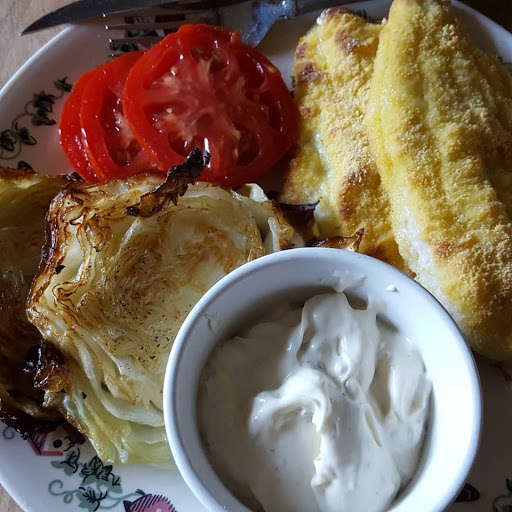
(115, 286)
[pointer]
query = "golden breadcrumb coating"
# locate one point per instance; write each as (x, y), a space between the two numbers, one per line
(332, 69)
(440, 126)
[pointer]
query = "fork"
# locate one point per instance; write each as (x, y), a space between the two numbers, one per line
(252, 19)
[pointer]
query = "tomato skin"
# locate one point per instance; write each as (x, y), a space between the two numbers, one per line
(202, 87)
(70, 132)
(108, 140)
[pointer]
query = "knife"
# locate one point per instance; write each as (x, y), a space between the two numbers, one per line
(84, 10)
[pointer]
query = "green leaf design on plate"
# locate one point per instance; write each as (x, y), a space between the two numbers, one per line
(70, 464)
(96, 487)
(37, 112)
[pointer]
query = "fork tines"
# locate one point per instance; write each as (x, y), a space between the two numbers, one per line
(143, 29)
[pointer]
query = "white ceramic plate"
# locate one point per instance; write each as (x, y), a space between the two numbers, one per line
(58, 472)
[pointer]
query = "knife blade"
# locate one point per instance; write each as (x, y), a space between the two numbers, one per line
(84, 10)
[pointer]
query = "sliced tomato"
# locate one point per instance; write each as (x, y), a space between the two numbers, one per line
(71, 135)
(111, 147)
(201, 87)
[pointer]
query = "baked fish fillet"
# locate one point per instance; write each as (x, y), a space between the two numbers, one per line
(440, 125)
(332, 70)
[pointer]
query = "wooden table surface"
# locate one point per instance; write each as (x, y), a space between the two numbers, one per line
(16, 15)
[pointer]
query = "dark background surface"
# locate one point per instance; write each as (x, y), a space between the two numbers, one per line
(498, 10)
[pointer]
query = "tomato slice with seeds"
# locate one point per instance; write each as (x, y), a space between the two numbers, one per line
(111, 147)
(201, 87)
(70, 132)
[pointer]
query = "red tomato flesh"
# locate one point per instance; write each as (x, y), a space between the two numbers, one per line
(110, 144)
(201, 87)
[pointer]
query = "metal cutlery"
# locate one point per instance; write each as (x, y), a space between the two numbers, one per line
(86, 10)
(148, 21)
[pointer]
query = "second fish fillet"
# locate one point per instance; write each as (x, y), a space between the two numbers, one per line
(440, 126)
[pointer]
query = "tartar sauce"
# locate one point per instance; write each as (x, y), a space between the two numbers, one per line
(321, 407)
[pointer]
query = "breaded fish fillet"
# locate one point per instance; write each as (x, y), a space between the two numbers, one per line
(440, 125)
(332, 69)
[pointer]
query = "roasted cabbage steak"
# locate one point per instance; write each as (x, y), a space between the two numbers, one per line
(122, 267)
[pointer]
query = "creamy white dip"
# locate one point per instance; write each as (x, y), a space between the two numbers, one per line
(321, 407)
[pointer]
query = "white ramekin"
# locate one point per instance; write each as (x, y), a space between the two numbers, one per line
(455, 419)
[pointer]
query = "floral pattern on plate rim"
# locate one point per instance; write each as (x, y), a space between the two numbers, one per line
(37, 112)
(87, 482)
(93, 486)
